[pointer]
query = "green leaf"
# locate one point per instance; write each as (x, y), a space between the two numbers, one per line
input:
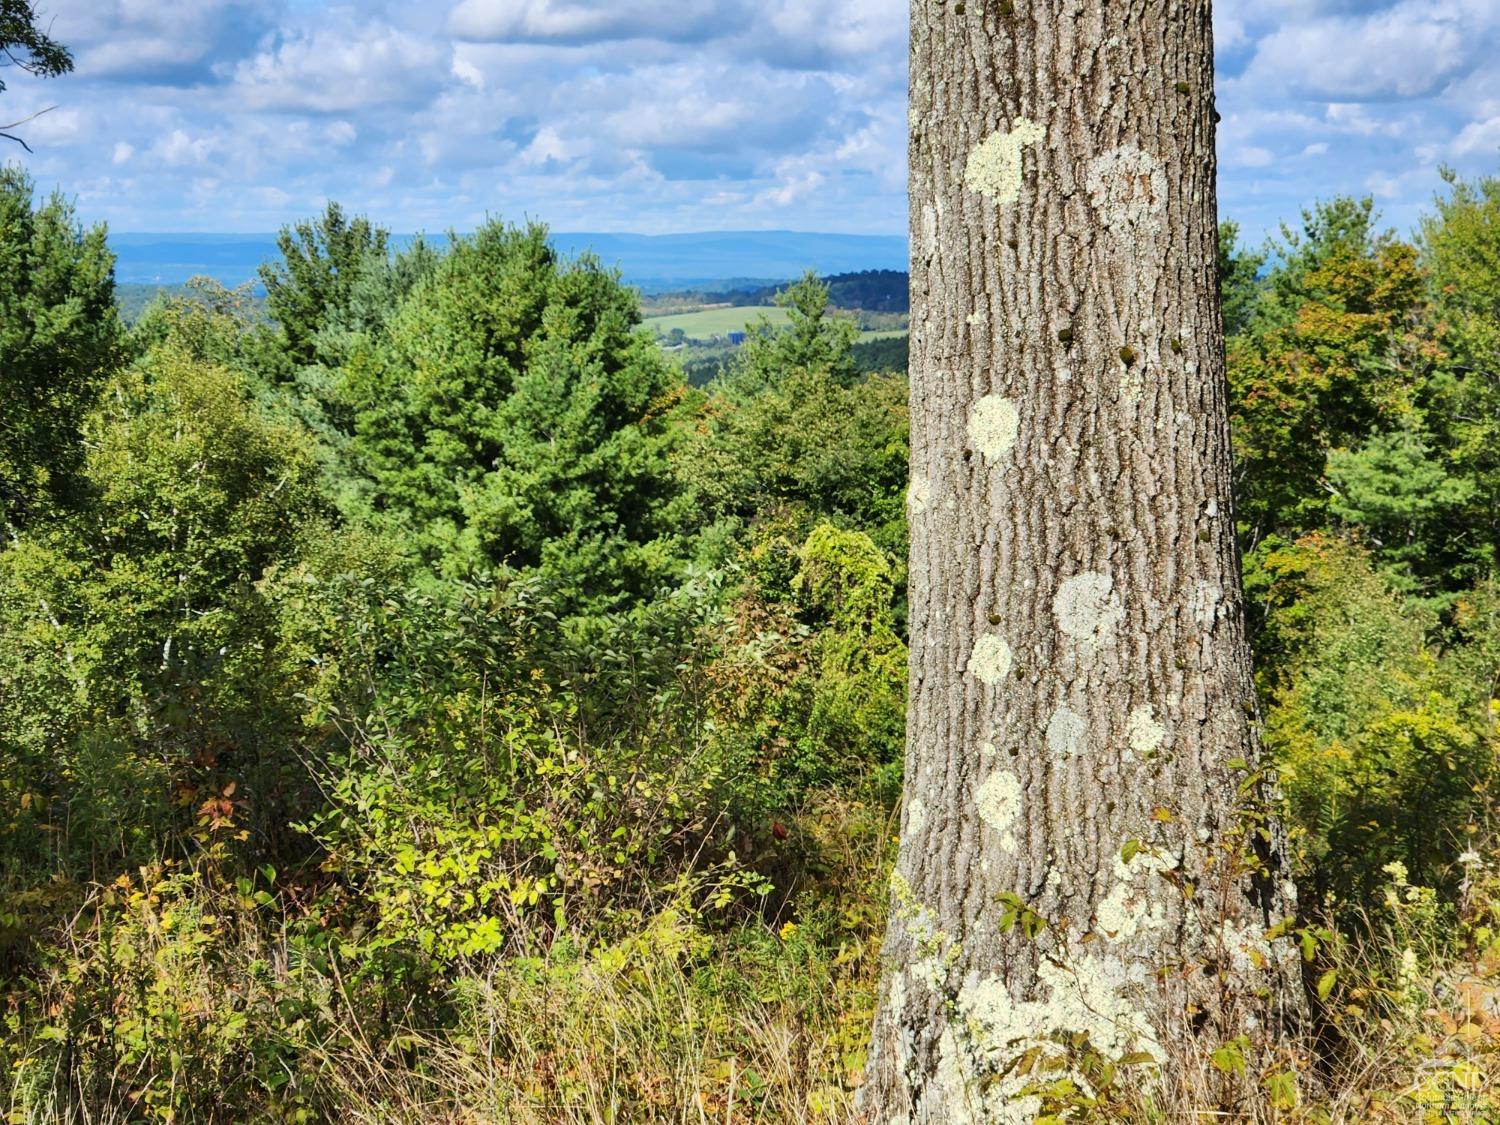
(1282, 1087)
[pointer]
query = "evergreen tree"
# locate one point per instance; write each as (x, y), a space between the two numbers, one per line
(60, 336)
(321, 263)
(517, 417)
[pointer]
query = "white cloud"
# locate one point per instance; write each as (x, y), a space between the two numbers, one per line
(1478, 138)
(178, 149)
(466, 72)
(635, 114)
(1410, 50)
(155, 39)
(588, 21)
(338, 69)
(547, 147)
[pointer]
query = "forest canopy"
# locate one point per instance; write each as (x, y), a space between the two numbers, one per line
(393, 671)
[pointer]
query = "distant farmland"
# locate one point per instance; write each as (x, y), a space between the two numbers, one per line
(705, 324)
(708, 324)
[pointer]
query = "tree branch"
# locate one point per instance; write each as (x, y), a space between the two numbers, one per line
(23, 121)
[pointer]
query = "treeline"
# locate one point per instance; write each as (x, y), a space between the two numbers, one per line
(426, 623)
(866, 290)
(416, 697)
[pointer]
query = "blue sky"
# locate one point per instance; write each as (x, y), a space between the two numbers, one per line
(675, 115)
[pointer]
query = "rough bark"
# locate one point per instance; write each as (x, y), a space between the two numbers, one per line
(1081, 714)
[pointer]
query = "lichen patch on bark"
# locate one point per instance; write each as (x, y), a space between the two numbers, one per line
(1143, 732)
(1128, 188)
(1065, 732)
(1087, 608)
(1130, 907)
(989, 1031)
(918, 494)
(1208, 602)
(993, 425)
(991, 660)
(897, 997)
(999, 804)
(994, 167)
(916, 815)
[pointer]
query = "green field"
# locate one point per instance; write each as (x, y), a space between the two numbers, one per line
(708, 323)
(705, 324)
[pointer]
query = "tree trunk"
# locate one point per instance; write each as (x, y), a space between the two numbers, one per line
(1078, 871)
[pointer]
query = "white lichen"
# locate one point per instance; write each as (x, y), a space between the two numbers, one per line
(916, 816)
(1207, 598)
(1088, 609)
(918, 494)
(999, 803)
(1131, 907)
(1143, 732)
(989, 1031)
(1243, 947)
(976, 318)
(1064, 732)
(933, 950)
(991, 660)
(993, 425)
(994, 167)
(897, 998)
(1129, 189)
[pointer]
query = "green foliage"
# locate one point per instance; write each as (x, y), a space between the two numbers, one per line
(890, 354)
(59, 337)
(1392, 487)
(788, 432)
(1461, 249)
(1383, 752)
(1332, 404)
(318, 276)
(814, 341)
(517, 418)
(859, 697)
(135, 649)
(1239, 280)
(494, 686)
(25, 44)
(484, 823)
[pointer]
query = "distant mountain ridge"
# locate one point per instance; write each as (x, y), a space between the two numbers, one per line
(653, 262)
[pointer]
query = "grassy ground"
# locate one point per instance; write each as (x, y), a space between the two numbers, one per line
(706, 323)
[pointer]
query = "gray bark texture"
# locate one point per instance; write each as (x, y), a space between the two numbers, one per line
(1083, 870)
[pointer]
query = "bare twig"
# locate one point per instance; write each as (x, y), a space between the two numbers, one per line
(23, 121)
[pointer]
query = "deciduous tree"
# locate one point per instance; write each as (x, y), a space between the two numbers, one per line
(1085, 873)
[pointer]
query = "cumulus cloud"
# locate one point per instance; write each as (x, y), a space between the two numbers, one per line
(342, 68)
(1407, 51)
(168, 41)
(1477, 138)
(587, 21)
(635, 114)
